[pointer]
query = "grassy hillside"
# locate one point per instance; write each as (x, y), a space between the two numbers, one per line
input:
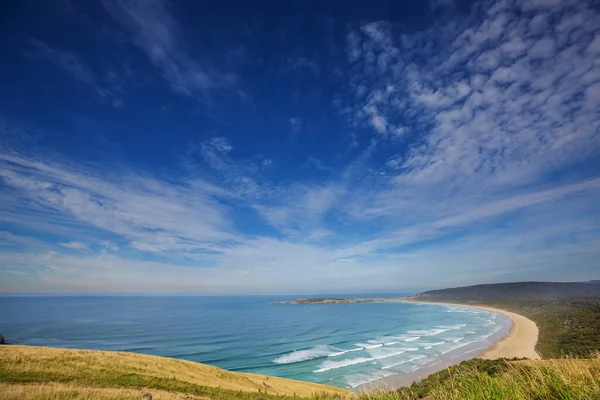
(568, 327)
(513, 291)
(48, 373)
(567, 314)
(28, 373)
(563, 379)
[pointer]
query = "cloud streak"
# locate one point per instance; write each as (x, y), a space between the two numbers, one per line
(148, 212)
(155, 30)
(480, 164)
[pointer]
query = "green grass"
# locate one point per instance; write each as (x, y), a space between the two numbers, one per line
(110, 380)
(564, 379)
(568, 327)
(117, 375)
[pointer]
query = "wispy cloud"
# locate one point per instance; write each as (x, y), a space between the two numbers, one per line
(68, 62)
(155, 29)
(480, 164)
(74, 245)
(500, 99)
(75, 66)
(151, 214)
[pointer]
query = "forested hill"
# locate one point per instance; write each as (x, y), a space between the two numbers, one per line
(513, 291)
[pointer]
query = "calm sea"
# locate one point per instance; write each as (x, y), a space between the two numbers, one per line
(345, 345)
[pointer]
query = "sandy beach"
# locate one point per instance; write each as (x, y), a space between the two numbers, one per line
(519, 342)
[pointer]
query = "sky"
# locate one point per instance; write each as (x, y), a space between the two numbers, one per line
(216, 147)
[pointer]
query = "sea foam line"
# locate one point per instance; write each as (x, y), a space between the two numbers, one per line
(339, 353)
(403, 362)
(304, 355)
(329, 365)
(428, 332)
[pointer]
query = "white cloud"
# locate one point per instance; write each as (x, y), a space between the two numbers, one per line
(543, 48)
(220, 144)
(533, 115)
(74, 245)
(147, 212)
(594, 46)
(482, 131)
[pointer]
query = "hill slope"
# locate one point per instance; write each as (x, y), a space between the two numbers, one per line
(561, 379)
(513, 291)
(28, 372)
(567, 314)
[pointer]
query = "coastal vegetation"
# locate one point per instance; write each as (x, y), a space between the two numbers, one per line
(28, 373)
(564, 379)
(567, 327)
(513, 291)
(567, 314)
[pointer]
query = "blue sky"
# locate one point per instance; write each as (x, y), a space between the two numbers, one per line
(297, 146)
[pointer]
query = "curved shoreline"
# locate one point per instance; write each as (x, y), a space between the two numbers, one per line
(520, 341)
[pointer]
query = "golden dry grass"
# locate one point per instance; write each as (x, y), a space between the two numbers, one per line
(57, 391)
(104, 368)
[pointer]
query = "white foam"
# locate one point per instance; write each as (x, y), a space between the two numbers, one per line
(369, 346)
(381, 354)
(329, 365)
(395, 365)
(339, 353)
(410, 339)
(304, 355)
(390, 343)
(404, 362)
(430, 345)
(428, 332)
(455, 347)
(361, 379)
(457, 326)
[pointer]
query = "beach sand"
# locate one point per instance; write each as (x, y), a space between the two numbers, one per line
(519, 342)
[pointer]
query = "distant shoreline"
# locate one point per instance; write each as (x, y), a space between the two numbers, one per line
(519, 342)
(344, 300)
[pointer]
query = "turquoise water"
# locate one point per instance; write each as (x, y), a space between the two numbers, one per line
(345, 345)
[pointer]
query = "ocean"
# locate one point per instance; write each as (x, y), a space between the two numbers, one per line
(344, 345)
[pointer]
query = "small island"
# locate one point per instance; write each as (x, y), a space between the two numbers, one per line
(334, 300)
